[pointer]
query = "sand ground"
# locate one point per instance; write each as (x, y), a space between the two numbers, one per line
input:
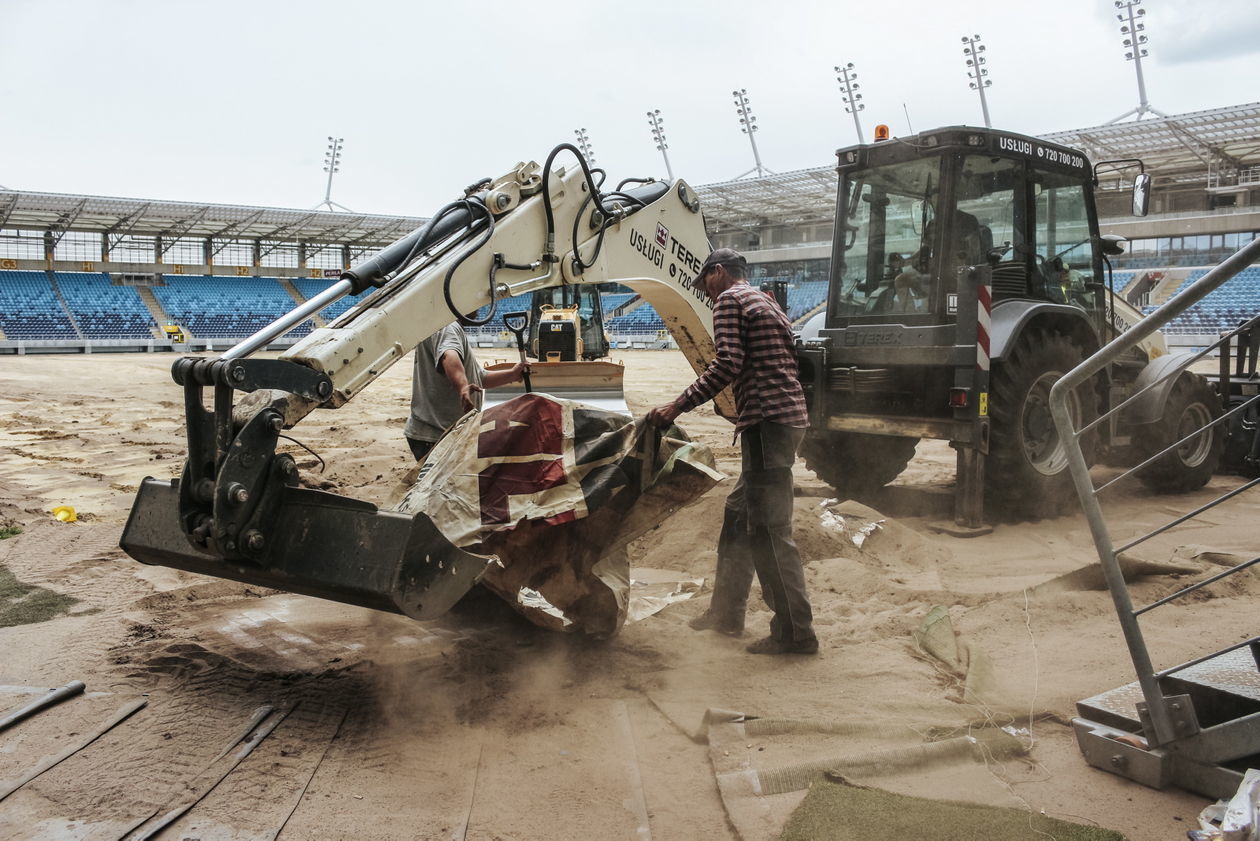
(477, 726)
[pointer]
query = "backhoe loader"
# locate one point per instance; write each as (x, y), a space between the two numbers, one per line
(996, 291)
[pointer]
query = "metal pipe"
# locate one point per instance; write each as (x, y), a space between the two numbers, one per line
(1196, 661)
(1196, 512)
(1137, 395)
(289, 320)
(74, 687)
(1172, 308)
(1198, 585)
(1171, 447)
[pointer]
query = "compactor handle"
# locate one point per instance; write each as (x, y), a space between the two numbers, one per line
(518, 323)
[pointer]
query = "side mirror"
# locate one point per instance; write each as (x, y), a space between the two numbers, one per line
(1113, 245)
(1141, 194)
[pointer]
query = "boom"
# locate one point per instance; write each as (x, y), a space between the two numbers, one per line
(505, 243)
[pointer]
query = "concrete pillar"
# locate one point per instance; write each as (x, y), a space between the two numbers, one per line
(157, 249)
(207, 251)
(257, 258)
(345, 258)
(301, 254)
(104, 248)
(50, 247)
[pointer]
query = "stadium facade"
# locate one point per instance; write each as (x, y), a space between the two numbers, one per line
(92, 273)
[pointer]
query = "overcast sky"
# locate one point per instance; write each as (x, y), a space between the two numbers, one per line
(232, 101)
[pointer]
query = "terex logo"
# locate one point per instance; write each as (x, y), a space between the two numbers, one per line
(871, 337)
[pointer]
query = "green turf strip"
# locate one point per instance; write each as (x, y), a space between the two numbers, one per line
(23, 604)
(835, 811)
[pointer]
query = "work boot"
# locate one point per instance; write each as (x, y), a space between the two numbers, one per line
(710, 621)
(770, 645)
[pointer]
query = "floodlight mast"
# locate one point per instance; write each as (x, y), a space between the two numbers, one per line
(1132, 27)
(658, 134)
(852, 99)
(332, 164)
(973, 50)
(748, 125)
(584, 143)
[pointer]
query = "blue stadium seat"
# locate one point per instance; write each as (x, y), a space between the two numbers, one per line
(29, 308)
(103, 310)
(1237, 300)
(226, 307)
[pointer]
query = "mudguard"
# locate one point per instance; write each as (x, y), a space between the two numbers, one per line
(1150, 406)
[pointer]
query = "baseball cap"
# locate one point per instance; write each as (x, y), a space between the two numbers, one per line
(724, 257)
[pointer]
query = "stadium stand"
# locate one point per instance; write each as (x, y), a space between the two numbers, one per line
(103, 310)
(805, 296)
(643, 319)
(225, 307)
(1236, 301)
(29, 308)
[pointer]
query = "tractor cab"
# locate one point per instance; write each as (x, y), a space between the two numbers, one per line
(912, 212)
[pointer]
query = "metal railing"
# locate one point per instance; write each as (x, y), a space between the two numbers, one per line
(1166, 721)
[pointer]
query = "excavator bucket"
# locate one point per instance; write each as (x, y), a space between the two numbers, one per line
(598, 384)
(333, 547)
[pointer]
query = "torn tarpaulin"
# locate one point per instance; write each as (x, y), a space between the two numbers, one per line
(556, 489)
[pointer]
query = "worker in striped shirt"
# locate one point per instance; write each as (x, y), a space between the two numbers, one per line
(753, 343)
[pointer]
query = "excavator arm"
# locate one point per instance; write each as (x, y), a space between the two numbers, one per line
(236, 512)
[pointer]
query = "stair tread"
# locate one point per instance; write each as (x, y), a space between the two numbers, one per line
(1232, 673)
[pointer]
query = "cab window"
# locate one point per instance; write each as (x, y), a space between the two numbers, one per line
(1063, 251)
(885, 259)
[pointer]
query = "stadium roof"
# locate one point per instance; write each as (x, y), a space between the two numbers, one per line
(1178, 148)
(59, 213)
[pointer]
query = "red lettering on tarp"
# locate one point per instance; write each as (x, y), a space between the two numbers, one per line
(527, 426)
(500, 481)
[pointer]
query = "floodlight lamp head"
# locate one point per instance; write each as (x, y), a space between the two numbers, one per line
(1141, 12)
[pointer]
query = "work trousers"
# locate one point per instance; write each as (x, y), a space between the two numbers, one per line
(757, 537)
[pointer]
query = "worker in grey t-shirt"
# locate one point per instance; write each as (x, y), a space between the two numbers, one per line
(447, 383)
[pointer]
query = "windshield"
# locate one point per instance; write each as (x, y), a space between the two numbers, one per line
(883, 259)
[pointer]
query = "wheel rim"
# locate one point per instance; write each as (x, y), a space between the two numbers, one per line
(1038, 436)
(1195, 451)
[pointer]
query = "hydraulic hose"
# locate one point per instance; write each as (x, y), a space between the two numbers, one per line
(374, 270)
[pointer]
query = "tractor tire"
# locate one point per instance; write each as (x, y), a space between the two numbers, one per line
(1192, 404)
(1026, 473)
(856, 464)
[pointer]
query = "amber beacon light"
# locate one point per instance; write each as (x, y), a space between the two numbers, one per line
(881, 132)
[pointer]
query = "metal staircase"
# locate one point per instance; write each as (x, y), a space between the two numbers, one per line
(1195, 725)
